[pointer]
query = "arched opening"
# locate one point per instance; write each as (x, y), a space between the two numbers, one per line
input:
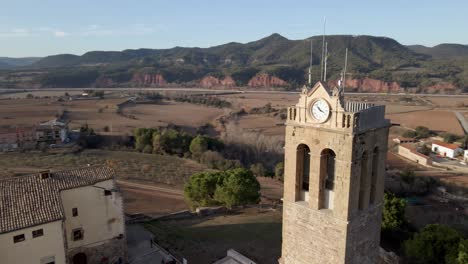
(363, 181)
(303, 172)
(374, 174)
(327, 178)
(80, 258)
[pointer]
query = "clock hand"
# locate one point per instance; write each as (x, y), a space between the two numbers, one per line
(319, 109)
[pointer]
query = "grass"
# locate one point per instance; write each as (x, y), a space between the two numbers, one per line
(128, 165)
(254, 233)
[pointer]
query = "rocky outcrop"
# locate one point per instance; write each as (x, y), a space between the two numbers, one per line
(440, 87)
(369, 85)
(104, 82)
(149, 79)
(266, 80)
(210, 81)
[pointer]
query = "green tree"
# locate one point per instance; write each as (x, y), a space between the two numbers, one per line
(279, 171)
(258, 170)
(198, 145)
(228, 188)
(143, 137)
(408, 176)
(393, 212)
(239, 187)
(423, 132)
(462, 257)
(434, 244)
(200, 188)
(449, 138)
(410, 134)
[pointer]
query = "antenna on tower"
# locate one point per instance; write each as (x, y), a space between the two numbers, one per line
(326, 58)
(323, 49)
(310, 64)
(343, 77)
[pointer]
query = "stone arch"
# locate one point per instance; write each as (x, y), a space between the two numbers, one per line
(363, 181)
(374, 174)
(80, 258)
(327, 178)
(302, 172)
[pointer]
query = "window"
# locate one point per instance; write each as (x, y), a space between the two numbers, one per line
(19, 238)
(77, 234)
(302, 172)
(107, 192)
(374, 174)
(75, 212)
(38, 233)
(327, 179)
(363, 182)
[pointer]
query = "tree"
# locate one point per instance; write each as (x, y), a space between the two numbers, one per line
(279, 171)
(462, 256)
(423, 132)
(143, 137)
(200, 188)
(258, 170)
(408, 176)
(199, 145)
(434, 244)
(239, 187)
(449, 138)
(410, 134)
(228, 188)
(393, 212)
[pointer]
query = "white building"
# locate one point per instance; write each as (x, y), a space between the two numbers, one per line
(465, 155)
(446, 149)
(72, 216)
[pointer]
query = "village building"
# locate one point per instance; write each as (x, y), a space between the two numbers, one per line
(335, 154)
(52, 132)
(403, 140)
(446, 149)
(465, 155)
(409, 151)
(72, 216)
(12, 138)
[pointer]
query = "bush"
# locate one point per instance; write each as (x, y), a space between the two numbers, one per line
(279, 171)
(449, 138)
(435, 244)
(258, 170)
(410, 134)
(408, 176)
(228, 188)
(423, 132)
(393, 213)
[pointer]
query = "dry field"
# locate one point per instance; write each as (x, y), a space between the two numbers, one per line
(182, 114)
(253, 232)
(436, 120)
(250, 100)
(265, 124)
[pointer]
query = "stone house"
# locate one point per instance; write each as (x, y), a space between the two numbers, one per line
(409, 151)
(72, 216)
(53, 131)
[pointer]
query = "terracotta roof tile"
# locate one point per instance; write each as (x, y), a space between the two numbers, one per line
(447, 145)
(29, 200)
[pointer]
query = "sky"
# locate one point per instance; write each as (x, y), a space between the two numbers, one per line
(47, 27)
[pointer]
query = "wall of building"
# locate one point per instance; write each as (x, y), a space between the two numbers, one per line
(101, 219)
(32, 250)
(446, 151)
(416, 157)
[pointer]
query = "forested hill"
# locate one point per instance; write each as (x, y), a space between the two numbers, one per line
(284, 62)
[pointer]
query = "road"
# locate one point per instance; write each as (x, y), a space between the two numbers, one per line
(150, 187)
(240, 90)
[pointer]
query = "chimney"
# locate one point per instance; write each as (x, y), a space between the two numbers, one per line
(44, 174)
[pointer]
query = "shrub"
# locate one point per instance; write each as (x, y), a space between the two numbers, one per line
(423, 132)
(410, 134)
(435, 244)
(279, 171)
(393, 212)
(449, 138)
(258, 170)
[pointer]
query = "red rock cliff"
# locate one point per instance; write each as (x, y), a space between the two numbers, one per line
(210, 81)
(266, 80)
(153, 79)
(104, 82)
(370, 85)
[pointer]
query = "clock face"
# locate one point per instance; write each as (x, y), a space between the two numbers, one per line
(320, 110)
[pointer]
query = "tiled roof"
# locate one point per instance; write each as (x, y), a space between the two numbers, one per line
(446, 145)
(29, 200)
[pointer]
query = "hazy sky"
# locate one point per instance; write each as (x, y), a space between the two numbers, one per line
(45, 27)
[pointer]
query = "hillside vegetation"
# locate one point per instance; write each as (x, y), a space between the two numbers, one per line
(369, 57)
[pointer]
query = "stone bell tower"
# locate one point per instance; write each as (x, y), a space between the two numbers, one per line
(334, 179)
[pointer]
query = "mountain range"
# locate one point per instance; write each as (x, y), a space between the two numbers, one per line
(370, 57)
